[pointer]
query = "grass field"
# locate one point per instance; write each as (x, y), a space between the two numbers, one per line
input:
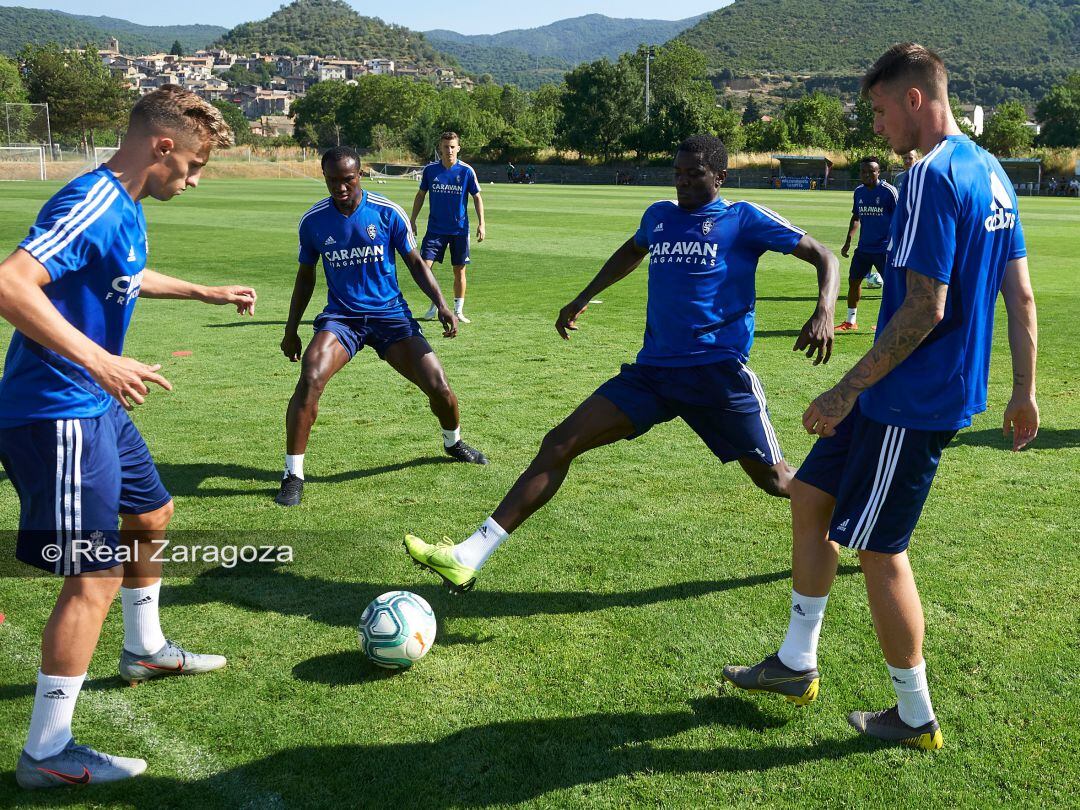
(583, 670)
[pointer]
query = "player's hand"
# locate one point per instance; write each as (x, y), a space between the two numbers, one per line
(568, 315)
(1022, 420)
(243, 298)
(480, 233)
(817, 336)
(449, 321)
(845, 249)
(412, 225)
(291, 346)
(125, 378)
(829, 410)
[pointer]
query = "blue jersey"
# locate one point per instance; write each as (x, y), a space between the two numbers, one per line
(874, 208)
(701, 278)
(91, 239)
(357, 254)
(957, 222)
(448, 197)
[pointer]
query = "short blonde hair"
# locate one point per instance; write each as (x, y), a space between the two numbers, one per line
(172, 109)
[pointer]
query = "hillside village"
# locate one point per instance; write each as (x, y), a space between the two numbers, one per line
(267, 106)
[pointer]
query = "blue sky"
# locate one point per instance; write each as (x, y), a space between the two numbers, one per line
(465, 16)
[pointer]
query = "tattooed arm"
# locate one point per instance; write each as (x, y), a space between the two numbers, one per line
(922, 310)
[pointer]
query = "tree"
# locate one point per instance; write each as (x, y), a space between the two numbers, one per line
(962, 120)
(862, 138)
(177, 48)
(1059, 114)
(682, 100)
(1006, 133)
(390, 100)
(817, 120)
(541, 119)
(768, 136)
(601, 108)
(751, 112)
(82, 94)
(236, 121)
(318, 114)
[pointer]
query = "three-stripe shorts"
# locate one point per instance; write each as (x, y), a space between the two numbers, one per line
(723, 402)
(880, 476)
(74, 477)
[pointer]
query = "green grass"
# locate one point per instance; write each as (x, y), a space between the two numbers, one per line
(583, 670)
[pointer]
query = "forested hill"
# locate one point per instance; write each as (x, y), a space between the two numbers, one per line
(331, 27)
(580, 39)
(989, 41)
(20, 26)
(506, 65)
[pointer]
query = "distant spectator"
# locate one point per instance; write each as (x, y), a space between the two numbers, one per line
(511, 172)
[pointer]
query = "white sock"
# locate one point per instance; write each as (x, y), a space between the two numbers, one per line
(142, 626)
(451, 437)
(459, 305)
(851, 313)
(50, 722)
(912, 694)
(294, 465)
(799, 650)
(475, 551)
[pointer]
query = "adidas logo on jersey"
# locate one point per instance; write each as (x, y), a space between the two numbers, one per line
(1000, 219)
(131, 254)
(659, 227)
(330, 241)
(843, 526)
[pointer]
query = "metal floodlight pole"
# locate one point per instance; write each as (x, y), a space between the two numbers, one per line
(649, 53)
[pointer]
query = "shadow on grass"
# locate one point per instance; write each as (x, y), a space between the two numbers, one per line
(499, 763)
(188, 479)
(1048, 439)
(14, 691)
(250, 322)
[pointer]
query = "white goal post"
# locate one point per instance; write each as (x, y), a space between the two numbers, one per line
(22, 163)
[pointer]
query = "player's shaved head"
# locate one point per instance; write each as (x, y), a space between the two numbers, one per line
(871, 159)
(337, 154)
(712, 150)
(905, 65)
(180, 114)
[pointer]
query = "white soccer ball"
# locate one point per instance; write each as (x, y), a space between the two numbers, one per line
(397, 629)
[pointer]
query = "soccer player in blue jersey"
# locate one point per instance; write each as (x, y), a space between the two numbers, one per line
(355, 234)
(76, 460)
(908, 160)
(956, 242)
(871, 215)
(450, 182)
(703, 254)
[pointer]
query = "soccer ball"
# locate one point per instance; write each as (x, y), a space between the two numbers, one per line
(397, 629)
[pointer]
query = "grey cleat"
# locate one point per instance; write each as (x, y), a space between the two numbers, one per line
(464, 453)
(886, 725)
(771, 675)
(74, 765)
(431, 314)
(291, 491)
(169, 660)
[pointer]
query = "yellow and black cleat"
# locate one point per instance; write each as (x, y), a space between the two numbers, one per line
(771, 675)
(886, 725)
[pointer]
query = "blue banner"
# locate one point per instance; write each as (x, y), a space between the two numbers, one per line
(795, 182)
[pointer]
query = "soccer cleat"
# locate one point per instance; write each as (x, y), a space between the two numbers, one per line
(461, 317)
(847, 326)
(462, 452)
(74, 765)
(874, 281)
(771, 675)
(439, 559)
(171, 659)
(431, 314)
(887, 725)
(292, 490)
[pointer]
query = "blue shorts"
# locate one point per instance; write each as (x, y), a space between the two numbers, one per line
(74, 477)
(354, 332)
(722, 402)
(880, 476)
(433, 248)
(862, 263)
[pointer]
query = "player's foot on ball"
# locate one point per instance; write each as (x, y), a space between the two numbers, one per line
(171, 659)
(873, 281)
(771, 675)
(847, 326)
(462, 452)
(292, 490)
(431, 314)
(74, 765)
(887, 725)
(461, 317)
(439, 559)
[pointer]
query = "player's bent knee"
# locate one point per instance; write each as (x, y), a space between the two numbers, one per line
(155, 520)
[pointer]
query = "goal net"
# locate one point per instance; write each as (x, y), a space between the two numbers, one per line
(26, 125)
(22, 163)
(395, 171)
(103, 153)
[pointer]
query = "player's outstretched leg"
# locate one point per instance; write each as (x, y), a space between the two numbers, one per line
(459, 292)
(324, 358)
(596, 422)
(414, 359)
(146, 652)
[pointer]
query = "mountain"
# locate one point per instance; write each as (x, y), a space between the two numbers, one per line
(331, 27)
(989, 46)
(580, 39)
(506, 65)
(19, 26)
